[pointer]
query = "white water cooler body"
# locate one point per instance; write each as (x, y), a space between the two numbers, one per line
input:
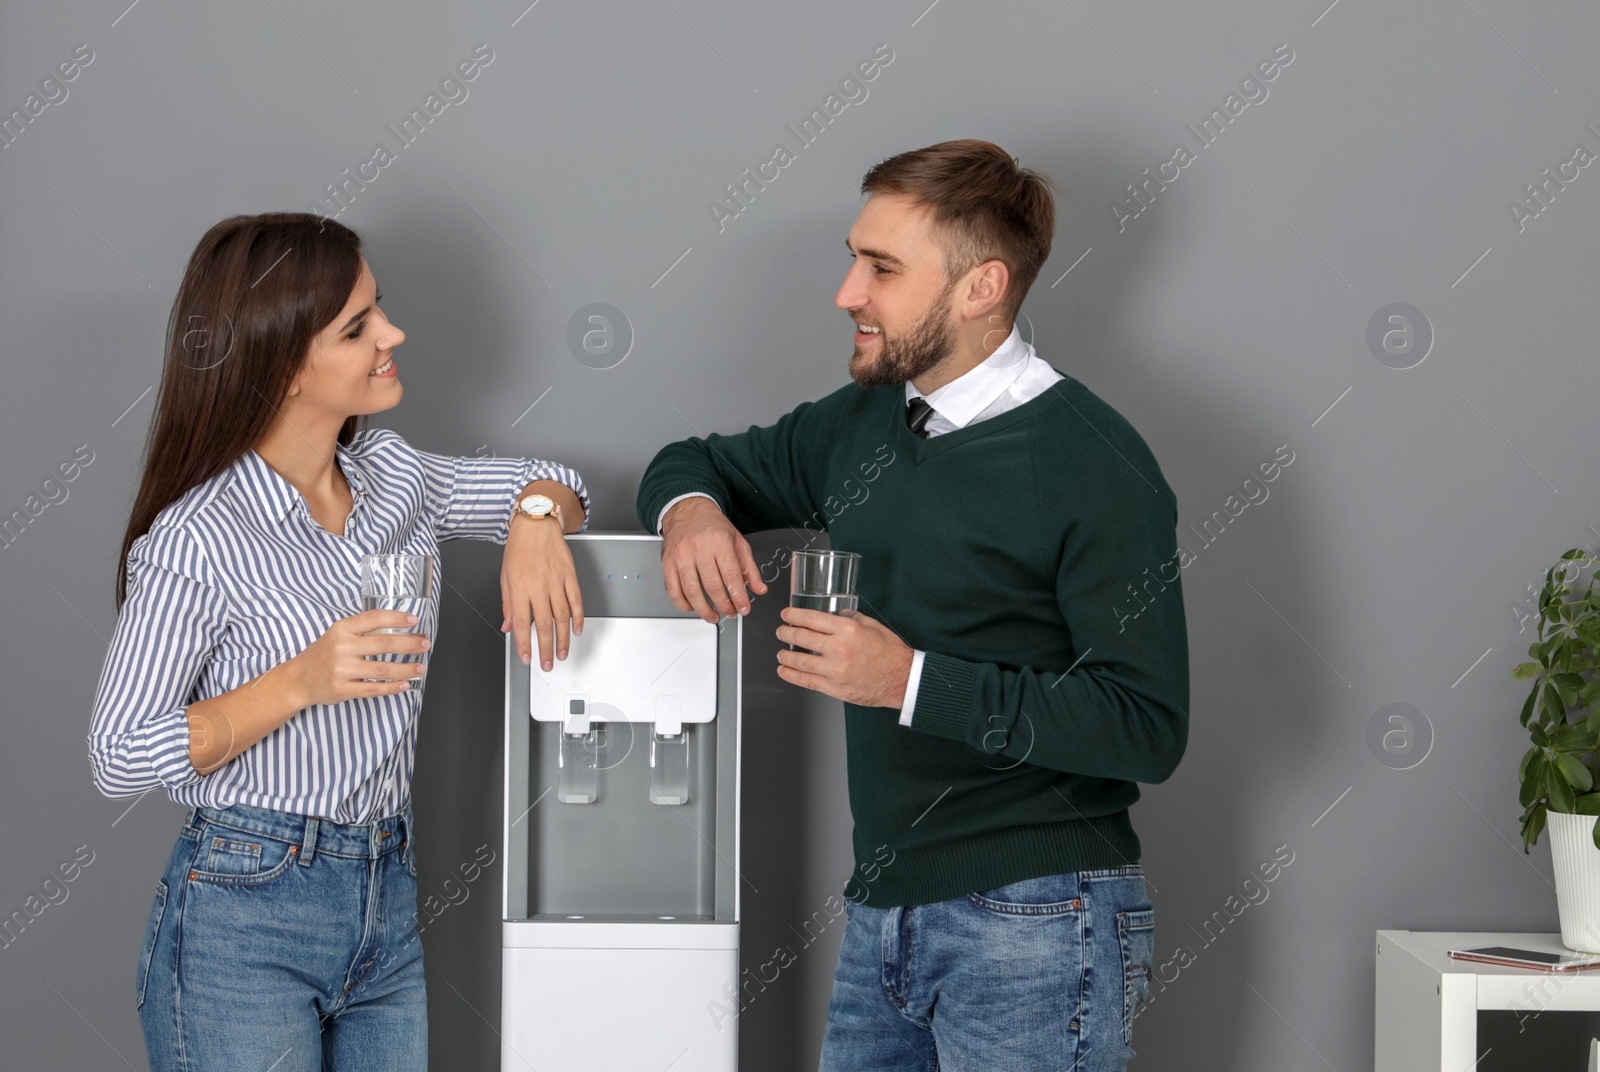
(620, 933)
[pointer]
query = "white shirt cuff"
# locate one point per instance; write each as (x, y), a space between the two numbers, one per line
(661, 517)
(911, 687)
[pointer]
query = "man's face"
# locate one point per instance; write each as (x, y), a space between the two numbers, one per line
(896, 294)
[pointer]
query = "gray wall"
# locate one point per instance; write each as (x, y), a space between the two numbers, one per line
(1386, 566)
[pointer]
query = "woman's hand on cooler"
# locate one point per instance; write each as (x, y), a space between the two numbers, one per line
(331, 669)
(539, 589)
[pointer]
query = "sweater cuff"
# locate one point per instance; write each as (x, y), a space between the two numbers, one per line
(665, 494)
(661, 516)
(945, 695)
(909, 707)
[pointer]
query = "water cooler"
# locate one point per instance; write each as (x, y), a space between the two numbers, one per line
(620, 940)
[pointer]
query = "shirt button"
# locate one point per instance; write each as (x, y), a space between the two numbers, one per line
(388, 785)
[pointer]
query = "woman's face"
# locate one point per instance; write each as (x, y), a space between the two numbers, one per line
(350, 369)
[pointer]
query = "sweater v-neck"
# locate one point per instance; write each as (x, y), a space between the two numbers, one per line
(921, 449)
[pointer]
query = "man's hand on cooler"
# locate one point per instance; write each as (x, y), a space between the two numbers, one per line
(706, 561)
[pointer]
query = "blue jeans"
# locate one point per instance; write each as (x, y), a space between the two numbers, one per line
(1042, 974)
(284, 942)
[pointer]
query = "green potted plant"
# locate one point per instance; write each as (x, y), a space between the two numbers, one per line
(1560, 772)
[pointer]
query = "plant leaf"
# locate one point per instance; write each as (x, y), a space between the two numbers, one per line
(1550, 704)
(1561, 795)
(1573, 737)
(1536, 826)
(1527, 705)
(1524, 671)
(1533, 790)
(1575, 773)
(1569, 695)
(1588, 804)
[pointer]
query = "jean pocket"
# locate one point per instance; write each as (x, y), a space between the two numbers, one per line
(230, 857)
(1046, 896)
(1136, 935)
(237, 858)
(158, 912)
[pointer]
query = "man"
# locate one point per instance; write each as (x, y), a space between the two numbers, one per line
(1020, 660)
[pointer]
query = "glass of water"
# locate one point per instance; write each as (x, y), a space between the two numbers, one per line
(824, 580)
(403, 583)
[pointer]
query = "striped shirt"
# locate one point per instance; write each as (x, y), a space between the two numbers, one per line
(235, 577)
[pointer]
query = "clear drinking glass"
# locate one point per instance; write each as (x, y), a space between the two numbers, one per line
(824, 580)
(403, 583)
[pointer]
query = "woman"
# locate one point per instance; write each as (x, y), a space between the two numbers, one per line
(282, 933)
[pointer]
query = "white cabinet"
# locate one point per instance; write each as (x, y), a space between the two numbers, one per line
(1427, 1002)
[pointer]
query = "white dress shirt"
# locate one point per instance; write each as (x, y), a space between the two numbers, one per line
(1007, 378)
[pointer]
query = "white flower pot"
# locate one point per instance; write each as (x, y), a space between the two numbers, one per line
(1577, 868)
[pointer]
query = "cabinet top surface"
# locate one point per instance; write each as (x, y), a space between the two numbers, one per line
(1430, 947)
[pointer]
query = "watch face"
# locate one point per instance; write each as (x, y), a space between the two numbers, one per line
(537, 504)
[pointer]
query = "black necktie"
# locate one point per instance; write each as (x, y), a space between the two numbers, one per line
(917, 413)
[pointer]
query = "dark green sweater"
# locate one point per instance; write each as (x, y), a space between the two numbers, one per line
(1032, 555)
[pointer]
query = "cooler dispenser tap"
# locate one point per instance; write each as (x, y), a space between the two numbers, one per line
(669, 753)
(581, 741)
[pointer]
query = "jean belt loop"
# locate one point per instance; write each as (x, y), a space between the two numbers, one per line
(308, 846)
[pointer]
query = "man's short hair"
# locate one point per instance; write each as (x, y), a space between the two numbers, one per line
(982, 204)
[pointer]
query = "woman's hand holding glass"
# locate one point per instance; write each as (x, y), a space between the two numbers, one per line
(337, 665)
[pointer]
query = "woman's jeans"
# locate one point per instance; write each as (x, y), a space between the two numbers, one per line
(1042, 974)
(284, 942)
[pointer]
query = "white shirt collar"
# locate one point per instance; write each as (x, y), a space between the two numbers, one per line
(969, 394)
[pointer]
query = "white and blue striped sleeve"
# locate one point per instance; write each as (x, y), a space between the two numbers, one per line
(471, 498)
(171, 621)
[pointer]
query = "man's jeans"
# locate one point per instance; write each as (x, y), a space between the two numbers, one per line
(284, 942)
(1042, 974)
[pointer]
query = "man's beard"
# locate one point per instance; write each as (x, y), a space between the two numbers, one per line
(926, 343)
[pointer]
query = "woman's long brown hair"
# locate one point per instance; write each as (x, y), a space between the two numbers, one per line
(257, 291)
